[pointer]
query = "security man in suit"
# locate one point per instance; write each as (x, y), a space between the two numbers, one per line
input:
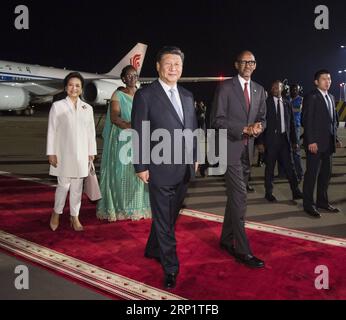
(320, 122)
(278, 139)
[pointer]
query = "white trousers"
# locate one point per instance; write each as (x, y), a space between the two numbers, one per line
(75, 186)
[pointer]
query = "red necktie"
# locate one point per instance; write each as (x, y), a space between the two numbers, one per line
(246, 95)
(247, 103)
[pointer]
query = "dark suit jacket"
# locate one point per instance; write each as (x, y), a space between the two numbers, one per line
(229, 112)
(151, 103)
(317, 121)
(268, 136)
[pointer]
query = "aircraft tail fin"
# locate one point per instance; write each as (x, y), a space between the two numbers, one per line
(135, 58)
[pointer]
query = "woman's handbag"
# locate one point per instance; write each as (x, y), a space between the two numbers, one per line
(91, 185)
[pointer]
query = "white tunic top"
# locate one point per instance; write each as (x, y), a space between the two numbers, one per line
(71, 137)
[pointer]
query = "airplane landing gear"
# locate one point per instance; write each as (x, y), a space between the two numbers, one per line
(28, 111)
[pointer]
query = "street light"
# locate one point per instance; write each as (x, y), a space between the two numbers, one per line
(342, 91)
(342, 85)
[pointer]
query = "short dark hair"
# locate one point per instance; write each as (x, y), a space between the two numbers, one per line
(73, 75)
(169, 50)
(240, 54)
(319, 73)
(277, 81)
(125, 70)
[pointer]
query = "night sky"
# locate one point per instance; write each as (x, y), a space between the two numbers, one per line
(93, 35)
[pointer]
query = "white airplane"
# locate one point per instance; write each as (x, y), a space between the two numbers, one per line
(24, 85)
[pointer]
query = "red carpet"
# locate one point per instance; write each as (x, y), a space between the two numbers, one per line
(206, 273)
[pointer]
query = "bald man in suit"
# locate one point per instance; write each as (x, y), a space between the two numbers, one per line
(239, 107)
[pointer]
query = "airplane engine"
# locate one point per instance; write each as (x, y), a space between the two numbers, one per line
(12, 98)
(98, 91)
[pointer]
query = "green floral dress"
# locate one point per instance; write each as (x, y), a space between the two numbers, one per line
(124, 195)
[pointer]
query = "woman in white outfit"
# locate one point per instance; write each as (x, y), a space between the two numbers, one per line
(71, 144)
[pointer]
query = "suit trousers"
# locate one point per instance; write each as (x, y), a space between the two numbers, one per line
(233, 229)
(75, 187)
(166, 202)
(297, 157)
(245, 161)
(279, 150)
(318, 167)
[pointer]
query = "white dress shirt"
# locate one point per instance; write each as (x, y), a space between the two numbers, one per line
(282, 112)
(242, 83)
(325, 95)
(167, 89)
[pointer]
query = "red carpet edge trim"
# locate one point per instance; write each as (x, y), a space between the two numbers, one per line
(102, 279)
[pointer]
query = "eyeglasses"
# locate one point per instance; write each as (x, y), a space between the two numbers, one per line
(250, 63)
(132, 76)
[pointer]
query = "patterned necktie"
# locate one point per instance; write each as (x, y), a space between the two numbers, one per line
(247, 97)
(176, 105)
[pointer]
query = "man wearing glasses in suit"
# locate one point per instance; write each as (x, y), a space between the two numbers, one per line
(239, 107)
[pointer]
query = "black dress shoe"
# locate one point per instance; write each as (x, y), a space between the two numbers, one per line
(250, 189)
(312, 212)
(170, 280)
(250, 261)
(270, 197)
(297, 195)
(329, 208)
(152, 257)
(229, 249)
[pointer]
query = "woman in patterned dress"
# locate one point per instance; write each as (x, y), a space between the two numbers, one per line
(124, 196)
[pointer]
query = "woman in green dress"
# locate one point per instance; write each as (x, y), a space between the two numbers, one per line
(124, 196)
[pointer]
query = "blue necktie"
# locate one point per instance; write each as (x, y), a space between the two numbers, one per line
(176, 105)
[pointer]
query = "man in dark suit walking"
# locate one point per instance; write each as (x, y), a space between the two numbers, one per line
(320, 122)
(278, 139)
(239, 107)
(166, 107)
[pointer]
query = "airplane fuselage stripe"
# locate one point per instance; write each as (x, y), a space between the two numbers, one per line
(17, 76)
